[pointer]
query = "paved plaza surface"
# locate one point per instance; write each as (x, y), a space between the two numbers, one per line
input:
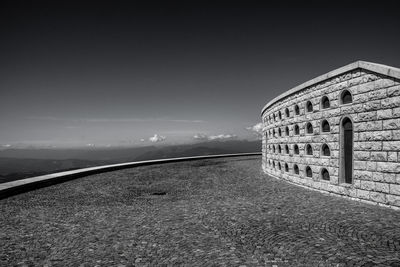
(219, 212)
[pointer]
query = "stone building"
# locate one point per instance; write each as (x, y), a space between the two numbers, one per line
(338, 133)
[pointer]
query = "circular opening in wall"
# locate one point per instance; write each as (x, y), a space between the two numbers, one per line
(325, 174)
(287, 131)
(308, 171)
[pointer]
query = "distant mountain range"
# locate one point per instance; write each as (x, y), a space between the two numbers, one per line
(22, 163)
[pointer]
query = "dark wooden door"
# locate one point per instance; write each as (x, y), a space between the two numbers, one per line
(348, 151)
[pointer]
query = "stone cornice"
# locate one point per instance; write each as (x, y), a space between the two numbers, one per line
(373, 67)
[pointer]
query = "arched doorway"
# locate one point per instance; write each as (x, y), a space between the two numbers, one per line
(347, 150)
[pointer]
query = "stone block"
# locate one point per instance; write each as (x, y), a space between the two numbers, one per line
(363, 194)
(367, 185)
(384, 177)
(378, 197)
(382, 187)
(360, 165)
(392, 156)
(375, 136)
(355, 108)
(390, 102)
(395, 113)
(391, 124)
(355, 74)
(365, 87)
(361, 155)
(374, 105)
(383, 83)
(371, 165)
(367, 116)
(377, 94)
(393, 91)
(359, 98)
(393, 200)
(371, 145)
(355, 82)
(369, 126)
(385, 114)
(394, 189)
(391, 145)
(378, 156)
(369, 77)
(352, 192)
(363, 175)
(392, 167)
(334, 179)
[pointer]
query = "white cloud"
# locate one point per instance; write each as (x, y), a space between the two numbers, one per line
(157, 138)
(200, 136)
(142, 140)
(256, 129)
(214, 137)
(222, 137)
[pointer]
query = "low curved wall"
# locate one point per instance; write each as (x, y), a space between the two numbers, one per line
(339, 133)
(24, 185)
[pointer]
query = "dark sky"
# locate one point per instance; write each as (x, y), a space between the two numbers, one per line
(101, 74)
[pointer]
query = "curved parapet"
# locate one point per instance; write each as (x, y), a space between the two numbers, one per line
(24, 185)
(339, 133)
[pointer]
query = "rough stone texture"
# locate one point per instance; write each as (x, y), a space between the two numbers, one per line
(220, 212)
(375, 115)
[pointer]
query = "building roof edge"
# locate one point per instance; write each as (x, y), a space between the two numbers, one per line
(374, 67)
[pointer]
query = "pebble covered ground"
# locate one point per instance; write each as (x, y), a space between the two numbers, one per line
(219, 212)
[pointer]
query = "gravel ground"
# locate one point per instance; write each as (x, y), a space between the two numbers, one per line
(220, 212)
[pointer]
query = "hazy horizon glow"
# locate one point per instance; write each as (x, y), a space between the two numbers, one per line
(134, 75)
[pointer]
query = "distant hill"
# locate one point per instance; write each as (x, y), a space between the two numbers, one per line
(23, 163)
(14, 168)
(104, 154)
(201, 149)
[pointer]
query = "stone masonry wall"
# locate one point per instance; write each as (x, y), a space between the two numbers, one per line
(375, 115)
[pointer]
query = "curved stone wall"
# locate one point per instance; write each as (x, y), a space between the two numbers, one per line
(339, 133)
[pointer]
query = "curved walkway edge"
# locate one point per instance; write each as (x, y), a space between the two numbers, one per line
(28, 184)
